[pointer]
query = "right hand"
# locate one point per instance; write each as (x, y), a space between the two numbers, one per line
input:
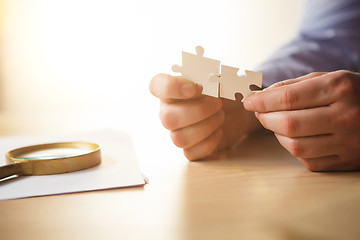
(199, 124)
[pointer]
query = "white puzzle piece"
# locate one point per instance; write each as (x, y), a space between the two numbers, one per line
(205, 71)
(197, 68)
(231, 83)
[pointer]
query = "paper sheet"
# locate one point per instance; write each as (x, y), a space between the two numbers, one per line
(118, 168)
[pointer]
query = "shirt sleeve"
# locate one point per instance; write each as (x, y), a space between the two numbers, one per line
(328, 39)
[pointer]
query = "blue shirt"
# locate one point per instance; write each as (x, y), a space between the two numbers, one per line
(328, 40)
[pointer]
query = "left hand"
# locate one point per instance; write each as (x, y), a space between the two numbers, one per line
(315, 117)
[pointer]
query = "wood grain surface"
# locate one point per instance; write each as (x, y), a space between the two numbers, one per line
(257, 190)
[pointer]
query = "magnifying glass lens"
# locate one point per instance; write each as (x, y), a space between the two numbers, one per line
(54, 153)
(56, 158)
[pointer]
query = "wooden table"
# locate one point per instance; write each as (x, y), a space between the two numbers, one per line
(247, 193)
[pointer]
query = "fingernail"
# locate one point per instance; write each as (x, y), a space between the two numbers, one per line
(248, 104)
(188, 90)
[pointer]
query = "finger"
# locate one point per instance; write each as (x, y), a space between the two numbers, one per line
(325, 164)
(295, 80)
(182, 114)
(299, 95)
(330, 163)
(204, 148)
(193, 134)
(309, 147)
(170, 87)
(299, 123)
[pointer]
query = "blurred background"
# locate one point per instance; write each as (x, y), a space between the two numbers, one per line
(88, 63)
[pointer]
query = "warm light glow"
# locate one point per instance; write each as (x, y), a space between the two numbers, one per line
(98, 56)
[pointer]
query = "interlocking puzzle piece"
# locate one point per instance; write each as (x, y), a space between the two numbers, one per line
(197, 68)
(231, 83)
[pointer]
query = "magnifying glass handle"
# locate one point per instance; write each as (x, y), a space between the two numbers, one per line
(10, 169)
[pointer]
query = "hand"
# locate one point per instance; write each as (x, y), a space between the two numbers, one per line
(315, 117)
(199, 124)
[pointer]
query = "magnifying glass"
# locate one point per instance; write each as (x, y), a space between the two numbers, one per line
(51, 158)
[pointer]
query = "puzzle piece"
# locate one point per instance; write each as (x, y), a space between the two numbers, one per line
(197, 68)
(231, 83)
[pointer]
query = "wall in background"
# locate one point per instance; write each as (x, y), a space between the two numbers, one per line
(1, 54)
(98, 56)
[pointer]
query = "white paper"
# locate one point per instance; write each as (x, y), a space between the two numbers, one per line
(118, 168)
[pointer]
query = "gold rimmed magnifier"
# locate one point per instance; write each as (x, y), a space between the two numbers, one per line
(51, 158)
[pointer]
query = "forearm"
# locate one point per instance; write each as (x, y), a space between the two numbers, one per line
(326, 41)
